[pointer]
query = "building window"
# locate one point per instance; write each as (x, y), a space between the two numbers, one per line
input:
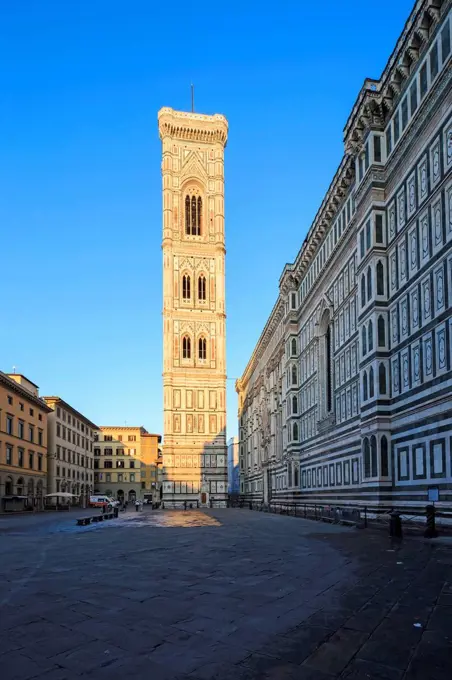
(363, 290)
(396, 127)
(107, 464)
(373, 456)
(40, 437)
(31, 461)
(404, 110)
(132, 476)
(108, 477)
(377, 149)
(294, 375)
(20, 457)
(9, 425)
(9, 455)
(31, 433)
(371, 383)
(202, 349)
(378, 228)
(39, 462)
(434, 62)
(384, 457)
(381, 331)
(423, 79)
(132, 464)
(202, 287)
(368, 236)
(32, 412)
(389, 140)
(132, 438)
(186, 347)
(413, 97)
(369, 283)
(120, 476)
(294, 347)
(10, 400)
(380, 279)
(370, 336)
(361, 244)
(295, 432)
(186, 287)
(365, 397)
(293, 301)
(445, 41)
(193, 215)
(108, 438)
(364, 340)
(294, 404)
(120, 464)
(382, 378)
(366, 456)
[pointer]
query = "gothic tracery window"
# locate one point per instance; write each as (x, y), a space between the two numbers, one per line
(382, 378)
(380, 279)
(202, 349)
(371, 383)
(202, 287)
(384, 458)
(193, 215)
(294, 375)
(294, 404)
(381, 331)
(186, 347)
(370, 336)
(186, 287)
(295, 432)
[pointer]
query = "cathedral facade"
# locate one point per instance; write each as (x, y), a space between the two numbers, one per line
(347, 397)
(194, 469)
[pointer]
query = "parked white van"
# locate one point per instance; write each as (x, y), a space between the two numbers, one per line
(99, 501)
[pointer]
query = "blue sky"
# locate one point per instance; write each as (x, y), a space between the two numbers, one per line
(80, 207)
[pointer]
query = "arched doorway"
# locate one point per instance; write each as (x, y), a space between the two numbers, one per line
(120, 495)
(132, 496)
(9, 484)
(20, 486)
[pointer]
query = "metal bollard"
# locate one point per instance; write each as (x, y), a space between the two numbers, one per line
(395, 525)
(430, 529)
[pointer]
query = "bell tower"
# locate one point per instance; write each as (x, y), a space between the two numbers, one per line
(194, 318)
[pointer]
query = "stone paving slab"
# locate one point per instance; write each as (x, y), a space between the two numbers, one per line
(220, 595)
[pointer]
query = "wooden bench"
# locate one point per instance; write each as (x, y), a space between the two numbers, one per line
(83, 521)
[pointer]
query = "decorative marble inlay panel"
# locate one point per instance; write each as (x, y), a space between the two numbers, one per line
(411, 195)
(404, 328)
(393, 270)
(414, 308)
(395, 375)
(426, 300)
(392, 221)
(441, 348)
(416, 363)
(405, 366)
(424, 236)
(401, 209)
(438, 281)
(448, 146)
(412, 249)
(428, 355)
(435, 163)
(394, 327)
(402, 262)
(449, 212)
(437, 225)
(422, 180)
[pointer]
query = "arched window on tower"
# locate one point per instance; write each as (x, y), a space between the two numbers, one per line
(381, 331)
(380, 279)
(202, 287)
(369, 283)
(295, 432)
(382, 378)
(384, 460)
(186, 287)
(186, 347)
(370, 336)
(365, 395)
(199, 217)
(193, 215)
(294, 347)
(294, 404)
(187, 215)
(294, 375)
(202, 349)
(366, 457)
(373, 456)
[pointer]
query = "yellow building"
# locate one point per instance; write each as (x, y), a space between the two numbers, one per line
(126, 463)
(194, 315)
(23, 444)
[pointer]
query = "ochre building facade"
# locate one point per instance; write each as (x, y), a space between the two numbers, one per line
(194, 335)
(347, 397)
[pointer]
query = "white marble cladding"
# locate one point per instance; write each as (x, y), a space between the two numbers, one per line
(347, 397)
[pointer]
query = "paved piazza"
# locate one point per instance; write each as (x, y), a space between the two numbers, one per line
(227, 594)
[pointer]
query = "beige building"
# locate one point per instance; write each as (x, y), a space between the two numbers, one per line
(23, 444)
(346, 398)
(194, 317)
(127, 463)
(70, 444)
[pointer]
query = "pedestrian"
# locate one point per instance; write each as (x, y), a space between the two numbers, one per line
(137, 505)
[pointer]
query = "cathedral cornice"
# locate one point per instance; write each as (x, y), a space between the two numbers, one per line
(195, 127)
(378, 98)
